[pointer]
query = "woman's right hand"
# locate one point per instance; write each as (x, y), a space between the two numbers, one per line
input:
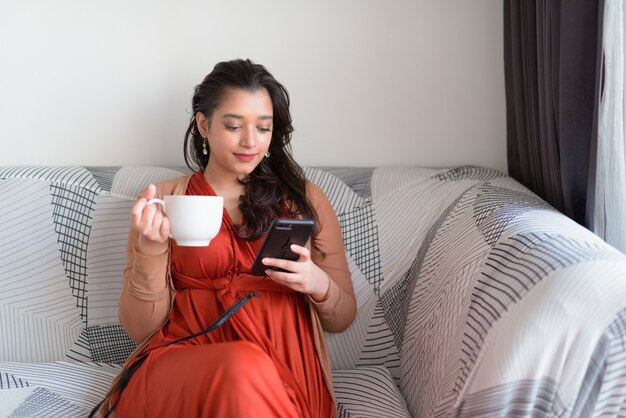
(151, 224)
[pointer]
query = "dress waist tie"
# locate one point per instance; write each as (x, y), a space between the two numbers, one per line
(229, 284)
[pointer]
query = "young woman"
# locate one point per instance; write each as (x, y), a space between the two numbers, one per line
(270, 357)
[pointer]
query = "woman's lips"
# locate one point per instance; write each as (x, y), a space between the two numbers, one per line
(245, 157)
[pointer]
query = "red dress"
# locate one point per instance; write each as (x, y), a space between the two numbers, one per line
(262, 362)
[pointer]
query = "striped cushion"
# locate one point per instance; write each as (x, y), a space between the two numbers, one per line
(59, 389)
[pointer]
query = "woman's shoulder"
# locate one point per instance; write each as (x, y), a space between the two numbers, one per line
(174, 186)
(313, 191)
(316, 196)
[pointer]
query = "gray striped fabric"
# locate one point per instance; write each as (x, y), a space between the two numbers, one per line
(475, 297)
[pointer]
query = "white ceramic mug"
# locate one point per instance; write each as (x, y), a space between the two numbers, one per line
(194, 220)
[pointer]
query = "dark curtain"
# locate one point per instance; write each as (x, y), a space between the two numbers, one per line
(552, 54)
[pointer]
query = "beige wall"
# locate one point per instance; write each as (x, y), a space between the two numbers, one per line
(373, 82)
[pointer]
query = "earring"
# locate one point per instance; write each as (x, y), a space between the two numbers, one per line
(267, 154)
(204, 150)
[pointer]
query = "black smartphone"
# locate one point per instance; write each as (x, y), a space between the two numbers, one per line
(281, 235)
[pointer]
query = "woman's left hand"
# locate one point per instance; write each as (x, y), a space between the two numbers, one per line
(302, 275)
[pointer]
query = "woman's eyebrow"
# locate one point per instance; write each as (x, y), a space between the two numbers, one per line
(232, 115)
(235, 116)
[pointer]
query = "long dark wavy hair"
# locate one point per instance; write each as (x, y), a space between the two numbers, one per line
(276, 187)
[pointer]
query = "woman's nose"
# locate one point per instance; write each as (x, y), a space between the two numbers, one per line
(248, 137)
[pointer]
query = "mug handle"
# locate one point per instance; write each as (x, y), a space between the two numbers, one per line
(156, 201)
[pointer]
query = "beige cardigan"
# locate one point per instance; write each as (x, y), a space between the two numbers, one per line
(148, 294)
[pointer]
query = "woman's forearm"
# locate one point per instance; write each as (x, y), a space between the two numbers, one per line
(145, 299)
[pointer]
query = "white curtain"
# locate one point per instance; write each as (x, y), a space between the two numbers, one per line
(610, 201)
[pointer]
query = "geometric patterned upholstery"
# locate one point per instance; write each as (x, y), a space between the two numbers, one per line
(368, 392)
(474, 296)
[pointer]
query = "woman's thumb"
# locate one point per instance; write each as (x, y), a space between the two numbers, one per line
(150, 192)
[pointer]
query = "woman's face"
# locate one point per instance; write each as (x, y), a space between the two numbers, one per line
(239, 132)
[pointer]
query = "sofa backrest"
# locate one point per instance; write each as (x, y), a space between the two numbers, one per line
(64, 239)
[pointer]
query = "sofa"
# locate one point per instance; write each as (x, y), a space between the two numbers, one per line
(475, 297)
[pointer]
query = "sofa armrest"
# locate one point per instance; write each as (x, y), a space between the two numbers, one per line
(502, 303)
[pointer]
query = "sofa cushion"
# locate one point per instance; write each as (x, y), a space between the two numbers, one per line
(59, 389)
